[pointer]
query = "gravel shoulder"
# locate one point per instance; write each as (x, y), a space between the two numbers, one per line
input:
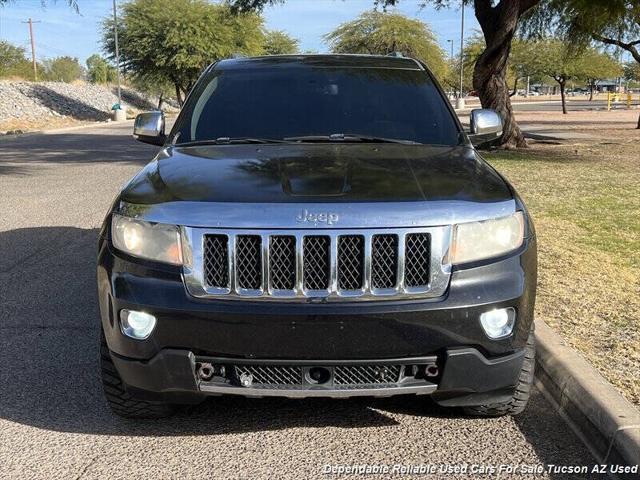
(54, 422)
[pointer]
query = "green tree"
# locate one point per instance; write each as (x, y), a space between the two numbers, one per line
(277, 42)
(62, 69)
(99, 70)
(381, 33)
(599, 66)
(615, 23)
(562, 64)
(154, 88)
(472, 49)
(526, 60)
(174, 40)
(12, 58)
(632, 73)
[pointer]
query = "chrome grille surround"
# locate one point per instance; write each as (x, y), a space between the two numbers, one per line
(283, 265)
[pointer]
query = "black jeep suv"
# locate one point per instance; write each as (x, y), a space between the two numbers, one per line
(317, 226)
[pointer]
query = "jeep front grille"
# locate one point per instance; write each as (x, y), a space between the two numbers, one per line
(329, 264)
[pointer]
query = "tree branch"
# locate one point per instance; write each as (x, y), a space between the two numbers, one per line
(527, 4)
(629, 47)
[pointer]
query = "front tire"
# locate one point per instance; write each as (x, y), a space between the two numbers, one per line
(118, 399)
(520, 398)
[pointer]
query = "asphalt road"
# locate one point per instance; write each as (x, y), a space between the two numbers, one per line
(54, 191)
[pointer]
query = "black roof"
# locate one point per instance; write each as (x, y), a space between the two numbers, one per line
(348, 61)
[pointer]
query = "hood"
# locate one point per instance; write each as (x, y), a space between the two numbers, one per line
(316, 173)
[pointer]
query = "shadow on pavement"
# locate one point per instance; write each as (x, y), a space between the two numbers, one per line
(29, 151)
(49, 365)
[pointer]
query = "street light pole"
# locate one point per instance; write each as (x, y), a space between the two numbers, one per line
(460, 102)
(115, 35)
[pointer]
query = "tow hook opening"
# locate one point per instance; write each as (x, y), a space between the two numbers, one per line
(205, 371)
(318, 375)
(430, 370)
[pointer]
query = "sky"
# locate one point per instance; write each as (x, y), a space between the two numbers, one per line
(61, 31)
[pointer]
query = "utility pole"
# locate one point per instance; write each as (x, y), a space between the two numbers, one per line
(115, 35)
(460, 103)
(33, 49)
(451, 42)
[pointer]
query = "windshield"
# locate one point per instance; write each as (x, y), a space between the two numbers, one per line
(338, 103)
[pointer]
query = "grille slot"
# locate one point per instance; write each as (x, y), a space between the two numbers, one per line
(272, 375)
(316, 262)
(216, 261)
(249, 262)
(282, 262)
(366, 374)
(384, 261)
(417, 259)
(350, 262)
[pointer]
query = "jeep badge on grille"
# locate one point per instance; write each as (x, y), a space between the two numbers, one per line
(306, 216)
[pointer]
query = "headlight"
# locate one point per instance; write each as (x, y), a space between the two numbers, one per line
(490, 238)
(153, 241)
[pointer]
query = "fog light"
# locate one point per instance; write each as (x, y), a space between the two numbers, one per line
(138, 325)
(498, 323)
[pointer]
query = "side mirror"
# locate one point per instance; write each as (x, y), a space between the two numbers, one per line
(149, 128)
(486, 126)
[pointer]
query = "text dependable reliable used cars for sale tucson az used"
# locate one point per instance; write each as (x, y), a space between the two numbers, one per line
(317, 226)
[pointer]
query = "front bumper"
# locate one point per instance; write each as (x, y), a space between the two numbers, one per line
(172, 376)
(473, 368)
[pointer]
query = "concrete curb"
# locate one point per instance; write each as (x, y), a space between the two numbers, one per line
(607, 422)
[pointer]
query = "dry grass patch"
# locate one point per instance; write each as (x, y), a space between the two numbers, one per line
(585, 201)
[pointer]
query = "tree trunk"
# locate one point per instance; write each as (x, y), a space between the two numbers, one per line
(591, 87)
(562, 96)
(498, 25)
(515, 87)
(178, 94)
(638, 127)
(160, 100)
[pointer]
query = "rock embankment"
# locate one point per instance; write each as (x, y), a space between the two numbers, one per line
(38, 101)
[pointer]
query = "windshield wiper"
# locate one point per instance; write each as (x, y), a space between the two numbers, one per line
(349, 137)
(228, 141)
